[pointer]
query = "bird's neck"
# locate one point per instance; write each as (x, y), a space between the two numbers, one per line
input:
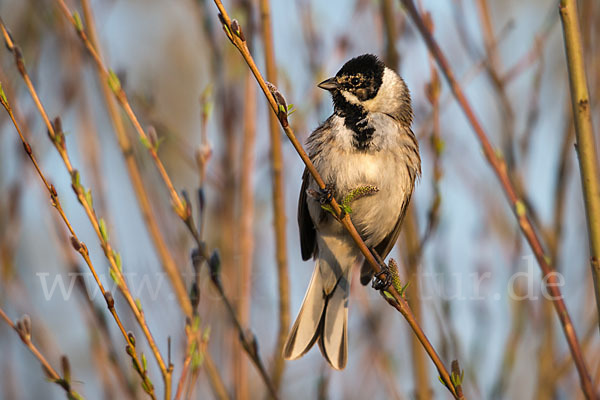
(354, 116)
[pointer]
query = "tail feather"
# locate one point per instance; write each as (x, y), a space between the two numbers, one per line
(323, 316)
(306, 329)
(334, 336)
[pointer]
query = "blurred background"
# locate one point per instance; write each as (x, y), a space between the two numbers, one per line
(474, 283)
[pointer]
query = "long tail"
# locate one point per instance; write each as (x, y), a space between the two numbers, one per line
(323, 315)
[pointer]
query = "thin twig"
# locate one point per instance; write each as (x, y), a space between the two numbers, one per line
(246, 241)
(135, 176)
(395, 299)
(278, 194)
(78, 245)
(499, 167)
(182, 208)
(584, 132)
(85, 199)
(23, 329)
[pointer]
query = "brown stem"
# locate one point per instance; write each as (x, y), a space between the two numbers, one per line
(499, 167)
(247, 220)
(584, 132)
(57, 137)
(135, 176)
(78, 245)
(48, 369)
(283, 281)
(396, 300)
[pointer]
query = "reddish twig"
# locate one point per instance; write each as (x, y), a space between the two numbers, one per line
(499, 167)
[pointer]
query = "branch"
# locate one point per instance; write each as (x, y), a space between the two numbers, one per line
(23, 329)
(84, 196)
(235, 35)
(584, 132)
(181, 206)
(77, 244)
(283, 281)
(499, 167)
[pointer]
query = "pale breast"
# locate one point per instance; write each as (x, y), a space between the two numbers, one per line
(382, 166)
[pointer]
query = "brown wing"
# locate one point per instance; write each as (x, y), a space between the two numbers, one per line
(386, 245)
(307, 228)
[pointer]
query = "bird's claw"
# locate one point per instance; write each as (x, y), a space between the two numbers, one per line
(325, 195)
(383, 280)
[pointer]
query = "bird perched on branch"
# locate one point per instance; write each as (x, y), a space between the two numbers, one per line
(369, 158)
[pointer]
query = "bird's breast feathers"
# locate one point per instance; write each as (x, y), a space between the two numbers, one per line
(382, 164)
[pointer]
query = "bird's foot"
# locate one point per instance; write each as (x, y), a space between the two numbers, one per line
(383, 280)
(325, 195)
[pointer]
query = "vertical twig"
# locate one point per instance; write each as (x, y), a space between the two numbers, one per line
(283, 283)
(78, 245)
(246, 241)
(57, 137)
(500, 169)
(586, 144)
(413, 248)
(395, 299)
(164, 254)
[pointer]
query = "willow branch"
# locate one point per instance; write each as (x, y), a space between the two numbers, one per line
(164, 254)
(584, 132)
(395, 299)
(77, 244)
(283, 281)
(23, 329)
(500, 169)
(182, 207)
(84, 197)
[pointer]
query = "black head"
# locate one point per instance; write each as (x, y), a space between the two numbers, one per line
(361, 76)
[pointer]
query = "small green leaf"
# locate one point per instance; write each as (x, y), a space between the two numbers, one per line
(103, 231)
(144, 363)
(388, 295)
(138, 304)
(208, 108)
(113, 81)
(76, 179)
(88, 198)
(327, 207)
(438, 145)
(158, 142)
(196, 323)
(282, 108)
(206, 334)
(113, 276)
(401, 291)
(147, 385)
(77, 21)
(117, 257)
(227, 30)
(197, 359)
(346, 208)
(499, 154)
(520, 208)
(2, 95)
(145, 142)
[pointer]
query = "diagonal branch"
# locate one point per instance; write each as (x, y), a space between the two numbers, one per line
(235, 35)
(181, 206)
(500, 169)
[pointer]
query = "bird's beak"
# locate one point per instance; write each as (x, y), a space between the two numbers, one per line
(329, 84)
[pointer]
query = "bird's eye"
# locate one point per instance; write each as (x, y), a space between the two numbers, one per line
(354, 81)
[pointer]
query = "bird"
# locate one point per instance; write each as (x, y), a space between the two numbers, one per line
(366, 143)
